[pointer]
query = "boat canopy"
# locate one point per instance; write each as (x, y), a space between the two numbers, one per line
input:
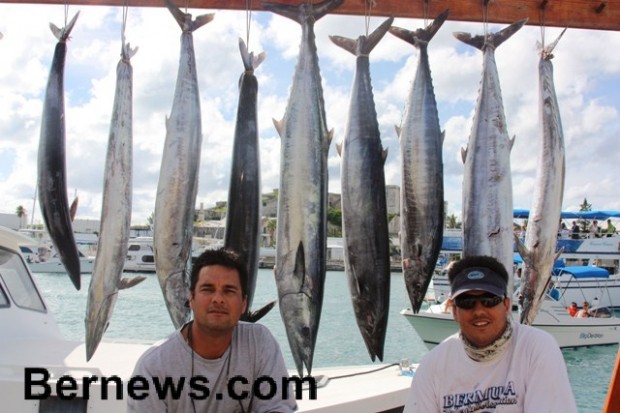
(601, 214)
(582, 271)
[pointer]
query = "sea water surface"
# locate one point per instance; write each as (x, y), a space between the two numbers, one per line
(140, 316)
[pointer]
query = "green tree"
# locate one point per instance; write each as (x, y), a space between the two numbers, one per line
(453, 222)
(21, 213)
(151, 219)
(584, 223)
(270, 227)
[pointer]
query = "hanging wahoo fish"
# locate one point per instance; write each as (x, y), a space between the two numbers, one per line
(52, 173)
(364, 209)
(115, 210)
(542, 229)
(243, 219)
(421, 193)
(301, 240)
(173, 223)
(487, 184)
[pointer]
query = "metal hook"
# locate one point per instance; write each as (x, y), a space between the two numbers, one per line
(600, 7)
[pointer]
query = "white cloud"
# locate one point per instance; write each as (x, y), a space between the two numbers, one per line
(587, 77)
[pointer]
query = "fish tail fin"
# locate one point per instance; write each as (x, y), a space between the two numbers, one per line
(254, 316)
(421, 36)
(304, 10)
(63, 34)
(363, 45)
(184, 19)
(127, 52)
(493, 39)
(546, 52)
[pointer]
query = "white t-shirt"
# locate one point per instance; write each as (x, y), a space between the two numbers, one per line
(529, 376)
(255, 355)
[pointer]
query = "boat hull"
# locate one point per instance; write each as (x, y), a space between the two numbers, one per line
(433, 326)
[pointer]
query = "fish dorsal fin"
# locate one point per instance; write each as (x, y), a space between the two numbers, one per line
(463, 154)
(443, 136)
(512, 141)
(384, 154)
(398, 130)
(254, 316)
(279, 125)
(339, 149)
(330, 136)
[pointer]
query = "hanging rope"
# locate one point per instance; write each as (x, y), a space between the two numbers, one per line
(66, 13)
(248, 21)
(425, 12)
(368, 5)
(485, 16)
(125, 12)
(186, 6)
(542, 24)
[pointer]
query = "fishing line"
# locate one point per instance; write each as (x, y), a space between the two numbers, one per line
(425, 8)
(368, 5)
(542, 24)
(485, 16)
(124, 26)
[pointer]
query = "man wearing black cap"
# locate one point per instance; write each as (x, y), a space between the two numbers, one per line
(492, 364)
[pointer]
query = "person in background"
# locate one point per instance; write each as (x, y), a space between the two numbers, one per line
(585, 310)
(611, 229)
(574, 230)
(214, 348)
(564, 232)
(594, 229)
(572, 309)
(492, 364)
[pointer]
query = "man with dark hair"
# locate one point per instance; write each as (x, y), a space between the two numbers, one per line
(216, 358)
(492, 364)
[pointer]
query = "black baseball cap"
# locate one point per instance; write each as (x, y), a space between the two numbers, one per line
(478, 278)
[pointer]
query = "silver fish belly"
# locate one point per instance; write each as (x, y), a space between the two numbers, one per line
(243, 218)
(364, 209)
(487, 183)
(421, 140)
(541, 237)
(52, 174)
(178, 177)
(115, 210)
(301, 237)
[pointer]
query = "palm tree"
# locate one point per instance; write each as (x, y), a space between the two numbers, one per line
(21, 213)
(270, 227)
(452, 222)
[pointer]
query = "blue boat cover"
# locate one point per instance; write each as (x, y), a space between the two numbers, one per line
(582, 271)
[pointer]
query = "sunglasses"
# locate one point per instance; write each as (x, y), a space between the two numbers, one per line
(467, 302)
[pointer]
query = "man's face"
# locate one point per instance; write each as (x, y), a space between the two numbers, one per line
(481, 325)
(217, 300)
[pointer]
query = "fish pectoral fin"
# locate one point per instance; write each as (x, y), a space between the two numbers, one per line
(254, 316)
(384, 154)
(130, 282)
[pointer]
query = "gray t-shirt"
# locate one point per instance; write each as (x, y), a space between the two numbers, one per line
(253, 359)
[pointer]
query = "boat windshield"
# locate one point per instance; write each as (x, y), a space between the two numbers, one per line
(21, 288)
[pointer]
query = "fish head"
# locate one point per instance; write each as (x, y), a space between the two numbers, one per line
(98, 316)
(301, 322)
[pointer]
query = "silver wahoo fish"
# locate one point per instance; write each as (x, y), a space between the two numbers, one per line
(115, 211)
(364, 209)
(52, 174)
(243, 218)
(487, 183)
(541, 237)
(421, 193)
(178, 177)
(302, 203)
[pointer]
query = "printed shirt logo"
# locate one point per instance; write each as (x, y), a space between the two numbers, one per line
(481, 400)
(475, 275)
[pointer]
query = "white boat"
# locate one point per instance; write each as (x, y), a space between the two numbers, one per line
(41, 371)
(435, 324)
(140, 255)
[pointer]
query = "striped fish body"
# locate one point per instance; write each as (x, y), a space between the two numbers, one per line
(541, 237)
(301, 236)
(243, 219)
(487, 184)
(364, 209)
(115, 211)
(52, 174)
(422, 204)
(178, 179)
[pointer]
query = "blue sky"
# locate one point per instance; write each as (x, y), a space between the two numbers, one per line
(587, 78)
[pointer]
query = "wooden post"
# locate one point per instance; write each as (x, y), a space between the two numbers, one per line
(612, 403)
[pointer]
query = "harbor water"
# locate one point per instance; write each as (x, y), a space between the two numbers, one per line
(140, 316)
